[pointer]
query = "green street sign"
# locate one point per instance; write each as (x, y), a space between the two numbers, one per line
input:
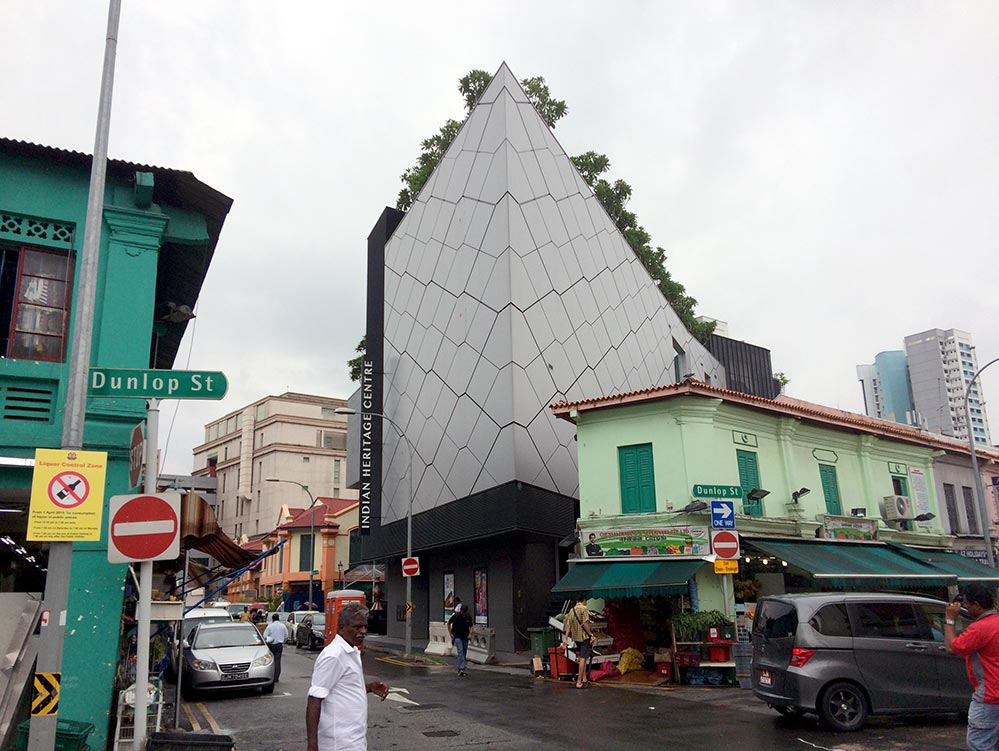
(157, 384)
(717, 491)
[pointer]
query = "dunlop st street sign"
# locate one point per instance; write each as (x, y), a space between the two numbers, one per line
(157, 384)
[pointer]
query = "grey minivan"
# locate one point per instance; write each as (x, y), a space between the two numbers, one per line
(847, 655)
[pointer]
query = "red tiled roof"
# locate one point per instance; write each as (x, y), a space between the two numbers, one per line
(781, 405)
(317, 516)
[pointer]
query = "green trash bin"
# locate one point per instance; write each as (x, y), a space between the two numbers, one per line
(542, 639)
(70, 735)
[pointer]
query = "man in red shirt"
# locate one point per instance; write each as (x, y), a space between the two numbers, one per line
(979, 645)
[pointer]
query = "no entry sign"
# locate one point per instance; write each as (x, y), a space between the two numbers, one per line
(411, 566)
(144, 527)
(725, 544)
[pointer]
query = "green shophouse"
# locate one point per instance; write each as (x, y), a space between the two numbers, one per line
(823, 515)
(159, 232)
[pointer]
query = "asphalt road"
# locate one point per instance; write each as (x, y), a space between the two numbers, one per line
(508, 710)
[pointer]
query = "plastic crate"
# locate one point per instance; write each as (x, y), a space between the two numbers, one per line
(718, 654)
(721, 633)
(70, 735)
(561, 666)
(180, 741)
(665, 669)
(687, 659)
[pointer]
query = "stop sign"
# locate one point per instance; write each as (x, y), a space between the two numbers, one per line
(143, 527)
(411, 566)
(135, 452)
(725, 543)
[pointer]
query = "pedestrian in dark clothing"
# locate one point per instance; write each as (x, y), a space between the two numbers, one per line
(459, 626)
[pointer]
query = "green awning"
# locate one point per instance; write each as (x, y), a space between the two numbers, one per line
(965, 569)
(846, 565)
(601, 579)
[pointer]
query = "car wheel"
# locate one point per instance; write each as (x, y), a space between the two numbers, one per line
(843, 707)
(187, 692)
(268, 689)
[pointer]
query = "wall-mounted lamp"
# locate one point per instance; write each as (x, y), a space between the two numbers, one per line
(694, 506)
(926, 517)
(858, 512)
(171, 312)
(798, 493)
(756, 494)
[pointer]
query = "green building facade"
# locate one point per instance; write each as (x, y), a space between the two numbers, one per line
(159, 233)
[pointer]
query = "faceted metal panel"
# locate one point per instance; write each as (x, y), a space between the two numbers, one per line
(507, 287)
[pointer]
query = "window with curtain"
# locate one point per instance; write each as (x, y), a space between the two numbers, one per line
(35, 294)
(638, 486)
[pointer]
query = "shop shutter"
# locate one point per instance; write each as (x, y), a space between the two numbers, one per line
(638, 489)
(749, 478)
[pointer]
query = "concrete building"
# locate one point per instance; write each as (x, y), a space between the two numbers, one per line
(295, 437)
(941, 364)
(505, 287)
(157, 239)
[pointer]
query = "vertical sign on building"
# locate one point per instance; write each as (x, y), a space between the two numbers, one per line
(372, 375)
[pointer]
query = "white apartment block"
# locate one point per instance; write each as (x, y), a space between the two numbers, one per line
(941, 364)
(294, 437)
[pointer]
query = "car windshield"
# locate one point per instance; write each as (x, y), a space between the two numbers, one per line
(234, 636)
(191, 624)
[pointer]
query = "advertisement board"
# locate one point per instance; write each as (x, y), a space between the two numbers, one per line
(662, 542)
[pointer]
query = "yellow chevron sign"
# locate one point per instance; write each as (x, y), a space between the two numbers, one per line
(45, 702)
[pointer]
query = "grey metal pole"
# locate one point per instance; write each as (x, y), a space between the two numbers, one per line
(143, 610)
(312, 542)
(983, 510)
(42, 733)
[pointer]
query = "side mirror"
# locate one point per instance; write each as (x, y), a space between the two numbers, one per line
(186, 644)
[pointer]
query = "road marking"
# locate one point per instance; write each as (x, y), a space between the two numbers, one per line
(403, 663)
(211, 720)
(195, 725)
(394, 695)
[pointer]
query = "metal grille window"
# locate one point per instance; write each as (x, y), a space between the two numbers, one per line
(969, 509)
(950, 501)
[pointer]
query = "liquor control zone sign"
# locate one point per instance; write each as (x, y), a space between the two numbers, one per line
(157, 384)
(67, 496)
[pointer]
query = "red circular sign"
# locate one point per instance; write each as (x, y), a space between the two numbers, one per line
(725, 544)
(144, 528)
(68, 489)
(410, 566)
(135, 456)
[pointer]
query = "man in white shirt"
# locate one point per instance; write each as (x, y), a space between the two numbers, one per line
(336, 717)
(276, 634)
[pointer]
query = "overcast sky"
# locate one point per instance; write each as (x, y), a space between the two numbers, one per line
(823, 175)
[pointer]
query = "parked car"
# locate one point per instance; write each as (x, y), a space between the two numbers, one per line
(183, 629)
(226, 656)
(292, 621)
(311, 631)
(846, 656)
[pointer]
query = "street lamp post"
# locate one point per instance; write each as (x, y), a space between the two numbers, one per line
(312, 531)
(409, 516)
(979, 490)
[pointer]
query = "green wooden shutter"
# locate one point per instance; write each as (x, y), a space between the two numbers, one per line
(638, 487)
(830, 488)
(749, 478)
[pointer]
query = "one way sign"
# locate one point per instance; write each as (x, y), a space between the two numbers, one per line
(722, 515)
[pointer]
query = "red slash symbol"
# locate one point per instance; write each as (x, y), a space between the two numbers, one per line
(68, 489)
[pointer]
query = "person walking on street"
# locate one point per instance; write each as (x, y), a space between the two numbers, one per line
(979, 645)
(577, 628)
(459, 626)
(336, 716)
(276, 634)
(244, 617)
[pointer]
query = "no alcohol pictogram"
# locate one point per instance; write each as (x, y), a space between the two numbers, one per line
(68, 489)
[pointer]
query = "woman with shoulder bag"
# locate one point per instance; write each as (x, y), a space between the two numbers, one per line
(577, 628)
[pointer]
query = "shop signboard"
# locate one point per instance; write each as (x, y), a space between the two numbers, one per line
(660, 542)
(849, 528)
(726, 567)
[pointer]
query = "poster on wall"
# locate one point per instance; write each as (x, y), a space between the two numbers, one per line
(448, 594)
(664, 542)
(920, 494)
(481, 598)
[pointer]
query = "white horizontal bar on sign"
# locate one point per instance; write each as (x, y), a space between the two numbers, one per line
(126, 529)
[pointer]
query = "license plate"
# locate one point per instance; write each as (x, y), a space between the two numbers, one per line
(766, 678)
(235, 676)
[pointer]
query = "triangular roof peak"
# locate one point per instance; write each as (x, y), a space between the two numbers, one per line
(503, 79)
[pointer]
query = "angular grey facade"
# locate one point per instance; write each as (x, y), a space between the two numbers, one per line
(506, 288)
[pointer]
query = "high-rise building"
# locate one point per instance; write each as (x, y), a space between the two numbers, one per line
(926, 383)
(292, 437)
(941, 364)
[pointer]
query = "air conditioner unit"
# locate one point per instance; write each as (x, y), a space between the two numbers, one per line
(897, 507)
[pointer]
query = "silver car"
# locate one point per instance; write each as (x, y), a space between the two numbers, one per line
(226, 656)
(848, 655)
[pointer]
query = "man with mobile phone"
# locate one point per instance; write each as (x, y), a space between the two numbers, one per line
(979, 645)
